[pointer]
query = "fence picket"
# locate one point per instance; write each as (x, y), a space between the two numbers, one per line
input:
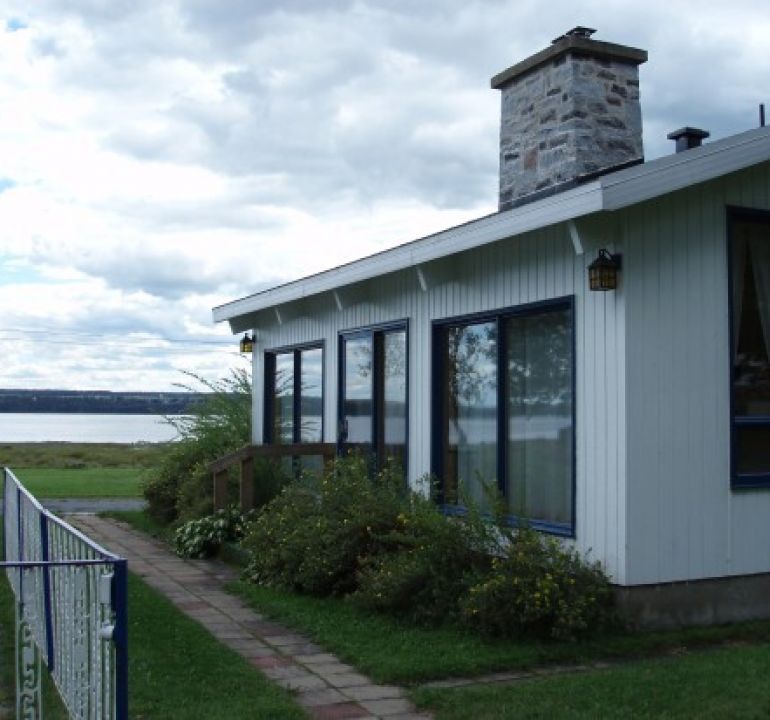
(71, 610)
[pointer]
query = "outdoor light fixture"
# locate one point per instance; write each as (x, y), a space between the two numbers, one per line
(247, 343)
(603, 272)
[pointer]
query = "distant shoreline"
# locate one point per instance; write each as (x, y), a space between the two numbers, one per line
(87, 412)
(99, 402)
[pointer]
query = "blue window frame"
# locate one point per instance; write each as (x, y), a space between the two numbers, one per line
(749, 295)
(294, 395)
(373, 387)
(504, 411)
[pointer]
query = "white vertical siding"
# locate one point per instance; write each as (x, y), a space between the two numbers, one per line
(600, 411)
(532, 267)
(258, 395)
(683, 520)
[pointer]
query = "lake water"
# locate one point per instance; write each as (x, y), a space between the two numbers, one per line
(72, 427)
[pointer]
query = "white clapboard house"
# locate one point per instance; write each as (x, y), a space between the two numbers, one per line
(598, 347)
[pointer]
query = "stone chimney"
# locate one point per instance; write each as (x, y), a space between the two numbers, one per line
(569, 112)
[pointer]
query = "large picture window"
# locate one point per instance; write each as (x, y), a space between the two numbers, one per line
(373, 392)
(294, 395)
(750, 348)
(504, 411)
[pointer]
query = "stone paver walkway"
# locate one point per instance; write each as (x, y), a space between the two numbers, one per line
(327, 688)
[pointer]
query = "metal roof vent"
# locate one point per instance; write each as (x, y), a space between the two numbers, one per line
(688, 137)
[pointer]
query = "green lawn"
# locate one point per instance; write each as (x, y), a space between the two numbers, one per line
(177, 670)
(398, 652)
(81, 483)
(728, 680)
(726, 683)
(144, 523)
(81, 455)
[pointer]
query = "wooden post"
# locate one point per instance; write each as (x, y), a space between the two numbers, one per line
(247, 484)
(220, 489)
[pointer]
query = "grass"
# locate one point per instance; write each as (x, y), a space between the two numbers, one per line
(658, 675)
(177, 670)
(395, 651)
(398, 652)
(81, 470)
(143, 522)
(82, 483)
(730, 682)
(63, 455)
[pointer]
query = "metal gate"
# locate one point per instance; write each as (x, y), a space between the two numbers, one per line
(70, 611)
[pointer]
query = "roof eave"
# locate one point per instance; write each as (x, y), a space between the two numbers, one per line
(690, 167)
(576, 202)
(613, 191)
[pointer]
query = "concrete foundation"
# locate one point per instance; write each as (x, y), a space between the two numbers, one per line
(700, 602)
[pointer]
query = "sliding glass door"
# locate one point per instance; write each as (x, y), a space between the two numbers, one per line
(503, 394)
(373, 393)
(294, 396)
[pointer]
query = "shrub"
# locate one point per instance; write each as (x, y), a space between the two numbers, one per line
(313, 536)
(181, 487)
(395, 552)
(430, 563)
(203, 537)
(279, 536)
(538, 587)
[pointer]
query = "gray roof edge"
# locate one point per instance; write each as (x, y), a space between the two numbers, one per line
(581, 200)
(613, 191)
(689, 167)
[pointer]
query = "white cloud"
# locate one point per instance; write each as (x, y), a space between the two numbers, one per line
(160, 158)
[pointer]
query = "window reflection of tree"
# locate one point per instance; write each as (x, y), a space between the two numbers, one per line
(539, 414)
(283, 403)
(375, 382)
(395, 360)
(308, 424)
(311, 396)
(472, 381)
(362, 357)
(539, 361)
(391, 398)
(472, 352)
(538, 381)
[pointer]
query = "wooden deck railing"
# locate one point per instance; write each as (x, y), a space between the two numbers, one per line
(245, 459)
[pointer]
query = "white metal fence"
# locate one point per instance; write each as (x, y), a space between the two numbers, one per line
(70, 611)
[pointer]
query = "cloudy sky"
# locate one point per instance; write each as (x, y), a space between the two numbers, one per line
(160, 157)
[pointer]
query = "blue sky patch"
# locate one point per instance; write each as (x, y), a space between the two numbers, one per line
(6, 184)
(14, 272)
(14, 24)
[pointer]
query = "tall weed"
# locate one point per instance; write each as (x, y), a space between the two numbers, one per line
(181, 486)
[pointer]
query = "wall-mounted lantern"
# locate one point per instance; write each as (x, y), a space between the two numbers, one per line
(603, 272)
(247, 343)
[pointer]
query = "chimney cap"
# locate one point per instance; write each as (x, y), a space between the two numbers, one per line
(688, 137)
(577, 40)
(577, 31)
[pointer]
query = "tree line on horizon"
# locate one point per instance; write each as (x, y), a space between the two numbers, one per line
(99, 401)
